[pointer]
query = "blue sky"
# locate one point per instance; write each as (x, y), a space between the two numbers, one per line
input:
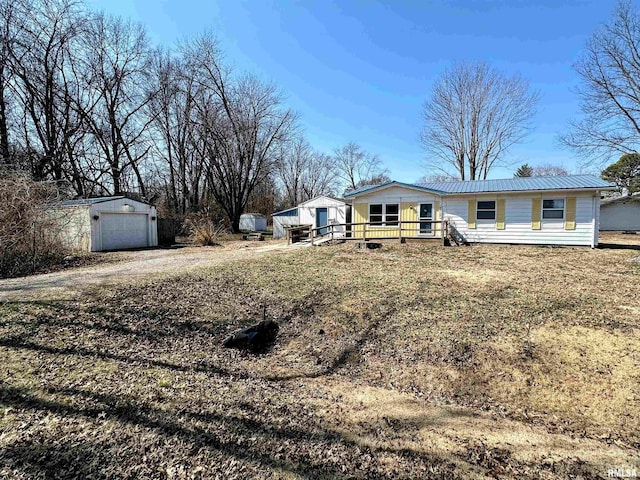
(361, 70)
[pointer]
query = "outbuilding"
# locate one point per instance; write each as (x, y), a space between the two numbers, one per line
(106, 223)
(620, 214)
(253, 222)
(316, 212)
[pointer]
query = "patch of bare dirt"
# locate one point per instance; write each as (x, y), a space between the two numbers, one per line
(134, 266)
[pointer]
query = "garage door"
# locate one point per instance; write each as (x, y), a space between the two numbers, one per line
(124, 230)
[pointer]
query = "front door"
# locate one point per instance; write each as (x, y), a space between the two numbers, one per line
(425, 218)
(322, 219)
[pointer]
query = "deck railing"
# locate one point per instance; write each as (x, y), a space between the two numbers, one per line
(396, 230)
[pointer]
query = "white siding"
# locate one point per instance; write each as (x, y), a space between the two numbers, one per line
(620, 216)
(118, 206)
(280, 223)
(73, 227)
(518, 221)
(336, 212)
(253, 222)
(322, 201)
(596, 220)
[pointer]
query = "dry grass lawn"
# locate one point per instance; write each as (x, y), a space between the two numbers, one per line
(412, 361)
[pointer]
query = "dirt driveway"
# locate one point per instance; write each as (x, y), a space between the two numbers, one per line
(130, 266)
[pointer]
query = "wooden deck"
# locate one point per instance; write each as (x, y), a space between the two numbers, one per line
(406, 231)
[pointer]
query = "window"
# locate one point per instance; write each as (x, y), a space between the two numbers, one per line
(384, 214)
(425, 214)
(486, 210)
(392, 214)
(375, 214)
(553, 209)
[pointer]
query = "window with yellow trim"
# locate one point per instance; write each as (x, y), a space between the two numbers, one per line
(553, 209)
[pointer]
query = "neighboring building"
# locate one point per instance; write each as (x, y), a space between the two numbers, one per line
(317, 212)
(253, 222)
(106, 223)
(620, 214)
(561, 210)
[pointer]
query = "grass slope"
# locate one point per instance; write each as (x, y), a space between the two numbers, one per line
(406, 362)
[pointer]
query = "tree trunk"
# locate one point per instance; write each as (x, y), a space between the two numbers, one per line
(4, 135)
(235, 223)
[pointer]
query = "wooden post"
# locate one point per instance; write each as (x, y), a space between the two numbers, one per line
(443, 226)
(311, 234)
(364, 232)
(400, 230)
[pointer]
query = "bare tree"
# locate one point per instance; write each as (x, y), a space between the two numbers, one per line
(304, 173)
(355, 166)
(243, 121)
(549, 170)
(474, 115)
(7, 37)
(319, 178)
(438, 177)
(117, 77)
(610, 90)
(38, 56)
(178, 142)
(293, 161)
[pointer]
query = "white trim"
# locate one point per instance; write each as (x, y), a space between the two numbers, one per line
(431, 220)
(594, 235)
(564, 210)
(384, 215)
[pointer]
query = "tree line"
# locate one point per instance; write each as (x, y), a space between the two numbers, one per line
(89, 103)
(475, 112)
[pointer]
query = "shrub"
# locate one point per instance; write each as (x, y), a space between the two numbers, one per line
(203, 229)
(28, 240)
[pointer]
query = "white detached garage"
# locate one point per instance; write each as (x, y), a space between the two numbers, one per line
(108, 223)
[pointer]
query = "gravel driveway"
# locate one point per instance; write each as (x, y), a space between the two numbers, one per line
(130, 266)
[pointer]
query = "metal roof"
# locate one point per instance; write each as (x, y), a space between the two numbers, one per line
(90, 201)
(283, 213)
(568, 182)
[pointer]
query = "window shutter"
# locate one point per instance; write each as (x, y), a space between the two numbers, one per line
(471, 216)
(570, 214)
(536, 207)
(500, 214)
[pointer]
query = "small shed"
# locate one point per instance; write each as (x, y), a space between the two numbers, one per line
(317, 212)
(106, 223)
(620, 214)
(253, 222)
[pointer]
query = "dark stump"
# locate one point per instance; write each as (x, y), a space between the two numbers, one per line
(257, 338)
